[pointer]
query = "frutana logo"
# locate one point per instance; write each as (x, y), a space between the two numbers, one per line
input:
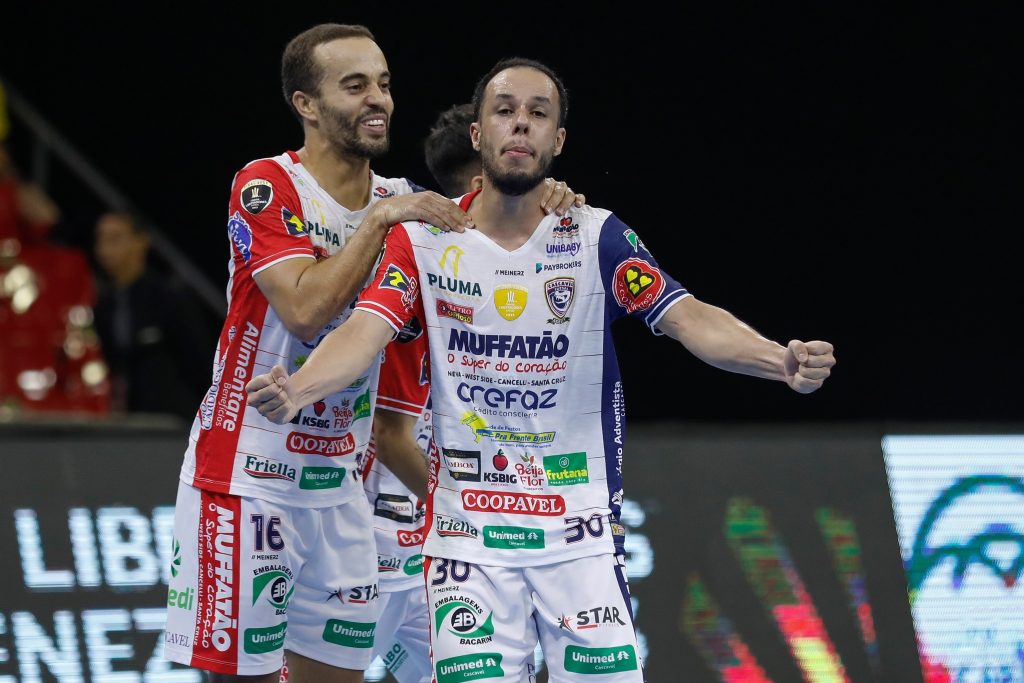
(964, 576)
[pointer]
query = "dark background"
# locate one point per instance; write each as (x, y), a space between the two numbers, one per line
(823, 172)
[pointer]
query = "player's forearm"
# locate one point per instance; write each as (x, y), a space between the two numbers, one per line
(398, 451)
(339, 360)
(325, 289)
(720, 339)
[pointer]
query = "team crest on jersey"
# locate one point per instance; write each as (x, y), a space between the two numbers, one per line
(240, 235)
(295, 226)
(256, 195)
(637, 284)
(560, 292)
(510, 300)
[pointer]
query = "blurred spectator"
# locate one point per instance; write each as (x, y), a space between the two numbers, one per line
(49, 355)
(155, 334)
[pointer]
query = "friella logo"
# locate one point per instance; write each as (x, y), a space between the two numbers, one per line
(566, 469)
(267, 468)
(469, 668)
(599, 660)
(449, 526)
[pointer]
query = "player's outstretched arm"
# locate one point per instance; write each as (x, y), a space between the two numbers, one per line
(338, 361)
(308, 294)
(397, 449)
(720, 339)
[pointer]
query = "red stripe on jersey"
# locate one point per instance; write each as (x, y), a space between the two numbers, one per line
(468, 199)
(223, 411)
(404, 407)
(216, 645)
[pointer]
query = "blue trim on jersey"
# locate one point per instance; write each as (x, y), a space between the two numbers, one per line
(613, 248)
(414, 186)
(613, 426)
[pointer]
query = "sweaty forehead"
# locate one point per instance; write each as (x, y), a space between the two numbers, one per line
(350, 56)
(523, 83)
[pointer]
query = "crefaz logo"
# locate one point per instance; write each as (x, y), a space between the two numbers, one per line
(267, 468)
(498, 398)
(240, 235)
(308, 444)
(508, 345)
(512, 503)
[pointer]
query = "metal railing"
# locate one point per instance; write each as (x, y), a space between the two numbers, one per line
(48, 142)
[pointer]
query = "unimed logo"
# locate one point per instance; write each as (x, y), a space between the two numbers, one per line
(349, 633)
(321, 477)
(600, 660)
(260, 640)
(469, 668)
(513, 537)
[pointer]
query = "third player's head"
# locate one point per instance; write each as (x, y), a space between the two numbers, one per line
(336, 80)
(520, 108)
(449, 152)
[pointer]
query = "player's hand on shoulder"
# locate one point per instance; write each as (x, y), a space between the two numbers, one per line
(808, 365)
(426, 206)
(559, 197)
(267, 394)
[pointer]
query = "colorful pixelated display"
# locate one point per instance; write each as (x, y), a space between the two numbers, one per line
(959, 509)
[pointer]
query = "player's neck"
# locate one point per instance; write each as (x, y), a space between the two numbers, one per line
(343, 176)
(508, 220)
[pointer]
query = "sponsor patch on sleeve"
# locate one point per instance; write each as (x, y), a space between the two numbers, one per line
(292, 223)
(240, 235)
(256, 195)
(637, 285)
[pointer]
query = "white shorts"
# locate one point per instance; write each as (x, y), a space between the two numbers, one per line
(251, 578)
(486, 621)
(403, 635)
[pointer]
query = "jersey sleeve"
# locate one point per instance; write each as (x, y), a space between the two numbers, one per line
(265, 222)
(393, 292)
(405, 373)
(633, 281)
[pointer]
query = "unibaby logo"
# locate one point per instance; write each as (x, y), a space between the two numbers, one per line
(293, 224)
(449, 526)
(561, 249)
(465, 619)
(512, 503)
(330, 446)
(462, 465)
(268, 468)
(566, 469)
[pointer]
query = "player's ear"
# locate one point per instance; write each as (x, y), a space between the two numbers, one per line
(303, 104)
(474, 135)
(476, 183)
(559, 141)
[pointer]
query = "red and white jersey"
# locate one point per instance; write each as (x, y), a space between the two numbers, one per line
(278, 211)
(528, 409)
(398, 513)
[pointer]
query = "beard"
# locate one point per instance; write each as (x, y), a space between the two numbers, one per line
(346, 137)
(514, 182)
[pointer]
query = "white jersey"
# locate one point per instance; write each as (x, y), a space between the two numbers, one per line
(278, 211)
(528, 410)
